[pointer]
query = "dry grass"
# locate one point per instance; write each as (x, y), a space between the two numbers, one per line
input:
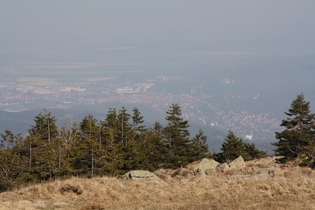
(291, 187)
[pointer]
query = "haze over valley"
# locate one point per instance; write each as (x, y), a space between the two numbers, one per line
(228, 65)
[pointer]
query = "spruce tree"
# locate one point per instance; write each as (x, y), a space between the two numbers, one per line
(297, 138)
(153, 149)
(88, 147)
(177, 137)
(233, 147)
(137, 120)
(199, 146)
(253, 152)
(127, 133)
(8, 140)
(123, 126)
(113, 159)
(41, 144)
(11, 161)
(69, 141)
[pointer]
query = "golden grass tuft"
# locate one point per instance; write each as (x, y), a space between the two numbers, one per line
(292, 187)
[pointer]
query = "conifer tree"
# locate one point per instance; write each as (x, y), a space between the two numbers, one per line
(199, 146)
(253, 152)
(158, 128)
(124, 127)
(139, 130)
(68, 144)
(137, 120)
(113, 159)
(130, 147)
(11, 162)
(111, 127)
(153, 150)
(177, 137)
(41, 144)
(233, 147)
(88, 147)
(8, 139)
(299, 134)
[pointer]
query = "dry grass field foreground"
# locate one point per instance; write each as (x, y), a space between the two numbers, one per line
(291, 187)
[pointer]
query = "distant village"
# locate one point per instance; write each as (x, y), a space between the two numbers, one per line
(16, 96)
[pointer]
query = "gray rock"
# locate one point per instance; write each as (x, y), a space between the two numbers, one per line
(256, 176)
(183, 181)
(223, 166)
(205, 164)
(183, 172)
(268, 170)
(160, 171)
(140, 175)
(237, 163)
(169, 178)
(71, 188)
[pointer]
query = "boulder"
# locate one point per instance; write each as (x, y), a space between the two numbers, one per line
(256, 176)
(205, 164)
(160, 171)
(71, 188)
(223, 166)
(183, 181)
(140, 175)
(268, 170)
(237, 163)
(183, 172)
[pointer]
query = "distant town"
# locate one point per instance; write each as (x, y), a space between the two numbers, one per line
(200, 108)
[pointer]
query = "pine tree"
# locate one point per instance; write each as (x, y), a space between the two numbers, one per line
(123, 126)
(199, 146)
(153, 150)
(11, 162)
(41, 144)
(111, 127)
(177, 138)
(69, 140)
(253, 152)
(130, 138)
(88, 148)
(298, 137)
(137, 120)
(113, 159)
(233, 147)
(8, 139)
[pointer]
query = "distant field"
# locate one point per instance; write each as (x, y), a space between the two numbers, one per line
(68, 73)
(39, 81)
(75, 68)
(45, 83)
(97, 79)
(74, 72)
(34, 79)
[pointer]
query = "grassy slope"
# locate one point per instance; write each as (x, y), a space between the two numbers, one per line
(290, 188)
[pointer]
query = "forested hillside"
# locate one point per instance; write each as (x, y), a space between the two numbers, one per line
(119, 143)
(122, 142)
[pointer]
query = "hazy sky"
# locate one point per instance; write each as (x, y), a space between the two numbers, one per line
(138, 30)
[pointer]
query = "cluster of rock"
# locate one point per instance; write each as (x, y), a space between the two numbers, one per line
(140, 174)
(200, 168)
(206, 164)
(71, 188)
